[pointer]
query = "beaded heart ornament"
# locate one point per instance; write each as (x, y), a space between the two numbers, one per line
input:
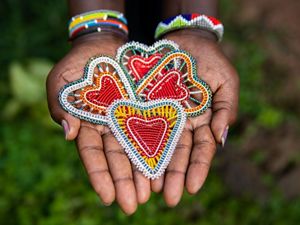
(175, 77)
(137, 59)
(103, 82)
(144, 97)
(148, 131)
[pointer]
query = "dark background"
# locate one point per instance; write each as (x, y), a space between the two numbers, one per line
(254, 180)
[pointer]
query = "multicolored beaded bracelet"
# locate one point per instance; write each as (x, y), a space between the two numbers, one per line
(96, 14)
(194, 20)
(97, 21)
(98, 26)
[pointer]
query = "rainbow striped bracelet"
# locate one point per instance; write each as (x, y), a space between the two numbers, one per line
(193, 20)
(97, 21)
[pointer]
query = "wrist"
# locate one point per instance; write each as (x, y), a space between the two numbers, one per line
(99, 37)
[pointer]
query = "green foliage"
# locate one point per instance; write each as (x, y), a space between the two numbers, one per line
(270, 117)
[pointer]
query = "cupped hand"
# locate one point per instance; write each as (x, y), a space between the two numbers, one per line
(108, 168)
(195, 150)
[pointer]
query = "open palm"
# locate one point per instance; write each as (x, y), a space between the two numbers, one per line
(194, 152)
(106, 163)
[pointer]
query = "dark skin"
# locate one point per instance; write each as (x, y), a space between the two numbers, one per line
(110, 172)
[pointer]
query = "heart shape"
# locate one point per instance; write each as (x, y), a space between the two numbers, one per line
(137, 59)
(148, 134)
(140, 65)
(199, 94)
(103, 82)
(148, 131)
(169, 85)
(107, 92)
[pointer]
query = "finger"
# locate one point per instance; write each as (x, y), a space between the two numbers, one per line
(142, 186)
(157, 184)
(176, 171)
(202, 153)
(121, 172)
(69, 123)
(90, 147)
(225, 107)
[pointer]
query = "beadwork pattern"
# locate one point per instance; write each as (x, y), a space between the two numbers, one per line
(102, 83)
(98, 21)
(137, 59)
(96, 14)
(193, 20)
(148, 131)
(175, 76)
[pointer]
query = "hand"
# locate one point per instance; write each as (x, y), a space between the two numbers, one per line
(108, 168)
(194, 152)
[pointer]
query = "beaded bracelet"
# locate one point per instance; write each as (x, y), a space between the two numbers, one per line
(99, 29)
(96, 14)
(97, 21)
(194, 20)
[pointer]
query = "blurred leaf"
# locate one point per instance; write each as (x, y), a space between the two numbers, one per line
(28, 81)
(11, 109)
(270, 117)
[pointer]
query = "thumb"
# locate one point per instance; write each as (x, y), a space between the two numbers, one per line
(69, 123)
(225, 108)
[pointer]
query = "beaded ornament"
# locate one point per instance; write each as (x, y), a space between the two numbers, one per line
(137, 59)
(175, 76)
(102, 83)
(144, 97)
(148, 131)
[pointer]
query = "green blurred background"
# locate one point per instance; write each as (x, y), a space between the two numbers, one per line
(255, 179)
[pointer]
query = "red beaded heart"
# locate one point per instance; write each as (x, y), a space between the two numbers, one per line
(107, 92)
(137, 59)
(170, 85)
(199, 95)
(149, 134)
(139, 66)
(103, 82)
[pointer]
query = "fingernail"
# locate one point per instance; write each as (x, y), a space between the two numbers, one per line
(106, 203)
(224, 136)
(65, 125)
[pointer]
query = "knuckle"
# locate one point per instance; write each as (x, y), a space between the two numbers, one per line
(222, 105)
(122, 179)
(108, 134)
(205, 143)
(198, 163)
(97, 172)
(119, 151)
(181, 146)
(91, 148)
(175, 171)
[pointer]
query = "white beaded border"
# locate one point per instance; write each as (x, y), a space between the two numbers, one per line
(88, 80)
(135, 158)
(145, 48)
(201, 21)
